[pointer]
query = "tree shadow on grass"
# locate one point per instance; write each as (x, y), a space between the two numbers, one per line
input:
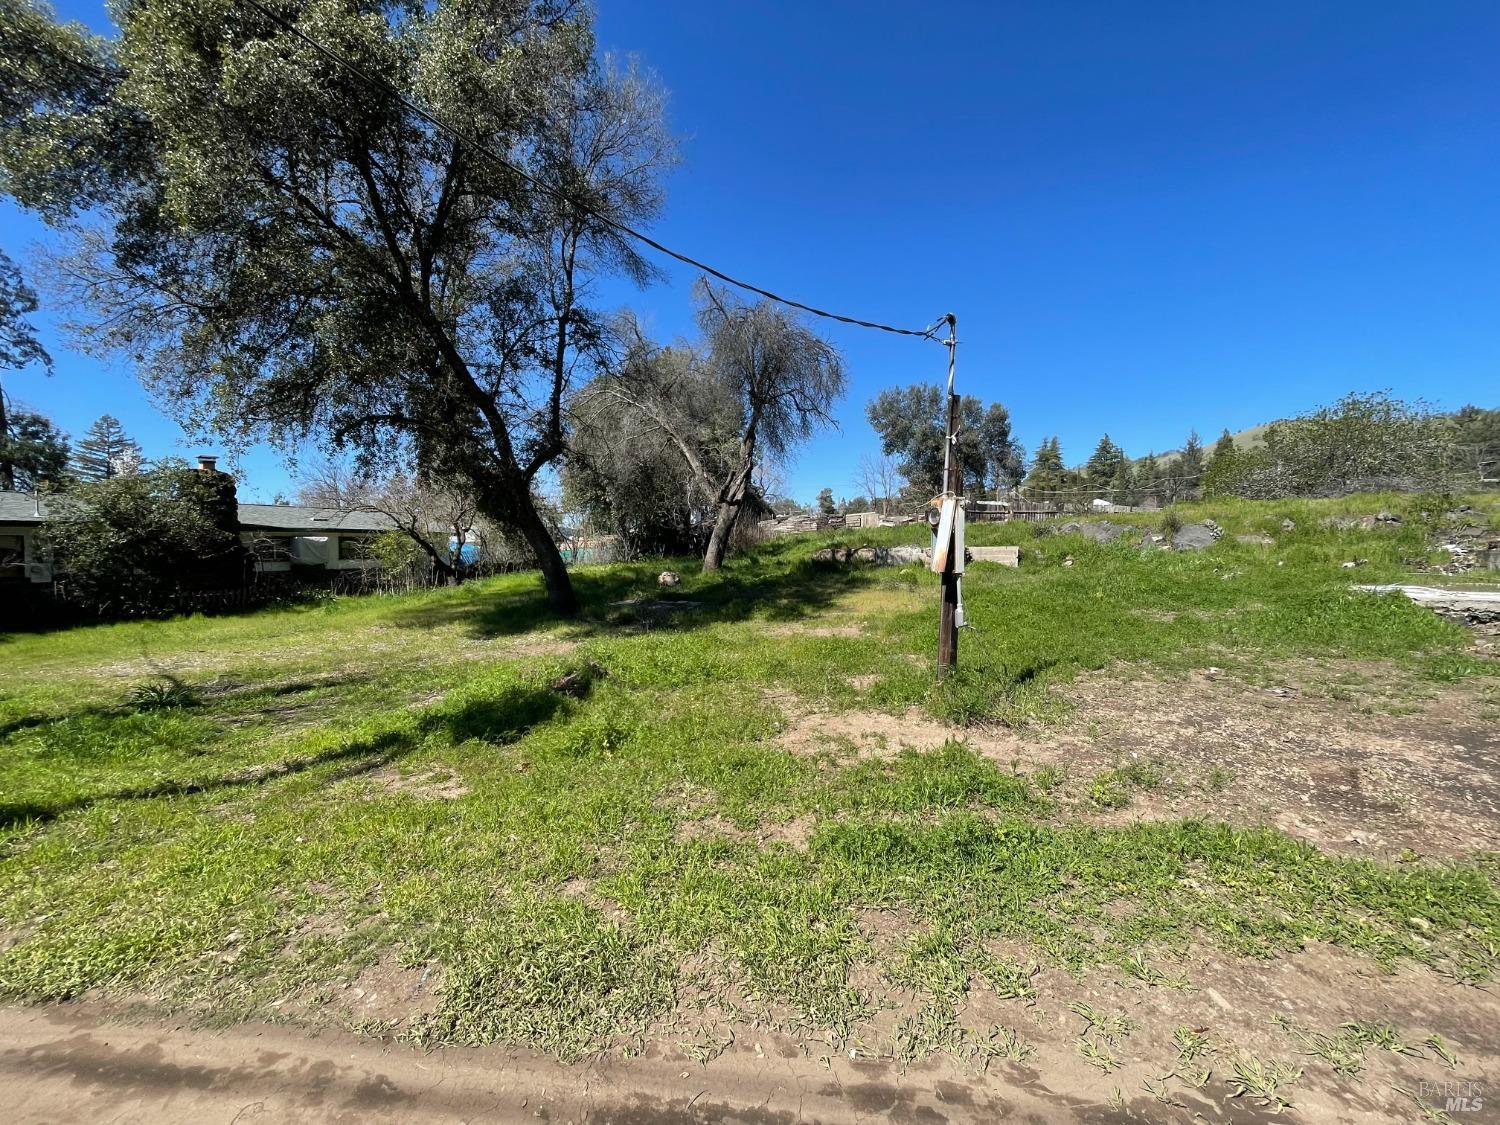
(498, 720)
(626, 597)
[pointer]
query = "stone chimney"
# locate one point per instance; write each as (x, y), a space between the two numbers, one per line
(207, 464)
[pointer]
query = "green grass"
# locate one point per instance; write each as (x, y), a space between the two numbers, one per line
(236, 815)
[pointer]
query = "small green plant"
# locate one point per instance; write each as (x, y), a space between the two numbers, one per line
(1218, 779)
(161, 695)
(1095, 1055)
(1159, 1089)
(1441, 1050)
(1190, 1042)
(1106, 792)
(1262, 1081)
(1010, 980)
(1112, 1026)
(1048, 778)
(1137, 966)
(1003, 1043)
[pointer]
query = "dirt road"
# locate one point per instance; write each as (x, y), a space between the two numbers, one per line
(72, 1064)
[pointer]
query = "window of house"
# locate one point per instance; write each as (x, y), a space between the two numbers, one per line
(354, 548)
(12, 557)
(271, 548)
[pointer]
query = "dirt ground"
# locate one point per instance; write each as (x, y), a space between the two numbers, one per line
(87, 1063)
(1350, 757)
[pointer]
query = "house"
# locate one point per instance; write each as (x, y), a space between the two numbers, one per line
(279, 536)
(21, 556)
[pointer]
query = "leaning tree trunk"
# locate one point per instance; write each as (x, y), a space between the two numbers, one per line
(731, 503)
(718, 541)
(560, 593)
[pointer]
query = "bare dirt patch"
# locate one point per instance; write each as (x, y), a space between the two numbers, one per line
(1327, 767)
(434, 785)
(805, 630)
(865, 734)
(794, 832)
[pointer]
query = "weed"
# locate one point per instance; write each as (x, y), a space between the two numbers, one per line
(1137, 966)
(1191, 1043)
(1159, 1089)
(1441, 1050)
(1111, 1026)
(1262, 1081)
(161, 695)
(1095, 1055)
(1010, 980)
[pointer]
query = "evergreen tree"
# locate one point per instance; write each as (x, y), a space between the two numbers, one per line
(1122, 485)
(1189, 468)
(1103, 468)
(1148, 478)
(34, 452)
(826, 505)
(106, 451)
(1047, 474)
(1224, 446)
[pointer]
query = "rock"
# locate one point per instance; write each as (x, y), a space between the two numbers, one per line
(1256, 540)
(1288, 524)
(1387, 517)
(578, 682)
(1214, 529)
(1352, 563)
(669, 578)
(1100, 531)
(1193, 537)
(1068, 561)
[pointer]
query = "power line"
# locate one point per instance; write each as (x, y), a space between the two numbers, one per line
(623, 228)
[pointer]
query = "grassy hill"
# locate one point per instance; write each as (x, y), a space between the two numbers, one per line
(741, 800)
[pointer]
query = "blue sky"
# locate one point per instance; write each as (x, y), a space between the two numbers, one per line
(1147, 217)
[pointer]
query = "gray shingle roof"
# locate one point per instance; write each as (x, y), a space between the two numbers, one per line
(294, 517)
(23, 507)
(20, 507)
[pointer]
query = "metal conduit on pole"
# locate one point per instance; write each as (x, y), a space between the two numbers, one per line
(947, 549)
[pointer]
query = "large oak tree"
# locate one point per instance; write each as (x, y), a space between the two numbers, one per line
(290, 253)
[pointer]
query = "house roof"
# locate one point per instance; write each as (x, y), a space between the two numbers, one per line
(21, 507)
(295, 517)
(25, 507)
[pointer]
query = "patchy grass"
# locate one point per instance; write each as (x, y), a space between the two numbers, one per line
(181, 798)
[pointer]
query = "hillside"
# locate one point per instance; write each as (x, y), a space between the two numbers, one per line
(1170, 796)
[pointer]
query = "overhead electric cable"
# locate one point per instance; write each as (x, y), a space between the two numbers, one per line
(625, 229)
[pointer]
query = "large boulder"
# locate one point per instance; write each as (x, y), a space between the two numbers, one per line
(1100, 531)
(1193, 537)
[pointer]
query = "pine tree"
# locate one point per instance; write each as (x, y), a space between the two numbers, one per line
(1225, 445)
(105, 451)
(826, 505)
(1189, 467)
(1104, 466)
(33, 453)
(1148, 478)
(1047, 473)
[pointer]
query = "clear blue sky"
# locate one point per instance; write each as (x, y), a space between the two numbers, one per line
(1147, 217)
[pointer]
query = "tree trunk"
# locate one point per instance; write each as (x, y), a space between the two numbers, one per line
(7, 469)
(731, 501)
(718, 541)
(549, 559)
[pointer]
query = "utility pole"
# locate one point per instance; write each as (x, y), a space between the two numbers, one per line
(948, 618)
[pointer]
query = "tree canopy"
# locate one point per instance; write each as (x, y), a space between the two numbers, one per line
(290, 253)
(912, 422)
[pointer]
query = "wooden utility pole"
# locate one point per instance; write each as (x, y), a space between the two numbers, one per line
(952, 489)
